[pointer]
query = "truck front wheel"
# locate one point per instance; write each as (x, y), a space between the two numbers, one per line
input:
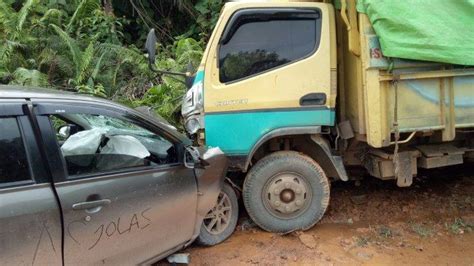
(286, 191)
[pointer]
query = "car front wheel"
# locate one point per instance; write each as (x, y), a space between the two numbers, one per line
(220, 221)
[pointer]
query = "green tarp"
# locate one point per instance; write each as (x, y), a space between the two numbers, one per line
(431, 30)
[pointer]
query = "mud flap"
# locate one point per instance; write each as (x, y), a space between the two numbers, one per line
(330, 162)
(340, 168)
(403, 169)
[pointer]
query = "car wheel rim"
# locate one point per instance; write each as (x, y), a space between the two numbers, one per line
(217, 219)
(286, 195)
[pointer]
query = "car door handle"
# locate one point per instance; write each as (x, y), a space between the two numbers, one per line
(90, 204)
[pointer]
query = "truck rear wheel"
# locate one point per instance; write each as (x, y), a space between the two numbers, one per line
(286, 191)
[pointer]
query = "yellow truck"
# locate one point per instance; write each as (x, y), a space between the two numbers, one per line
(297, 92)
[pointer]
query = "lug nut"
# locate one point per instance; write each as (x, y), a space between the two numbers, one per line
(287, 185)
(298, 191)
(298, 203)
(277, 203)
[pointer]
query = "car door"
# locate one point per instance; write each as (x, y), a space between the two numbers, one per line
(119, 206)
(30, 221)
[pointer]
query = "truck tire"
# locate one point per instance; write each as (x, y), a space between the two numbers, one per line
(220, 222)
(286, 191)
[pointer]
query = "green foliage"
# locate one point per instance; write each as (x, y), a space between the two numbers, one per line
(31, 77)
(208, 14)
(83, 10)
(459, 226)
(165, 97)
(421, 230)
(385, 232)
(88, 47)
(96, 90)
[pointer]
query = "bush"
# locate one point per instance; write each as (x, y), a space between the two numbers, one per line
(89, 46)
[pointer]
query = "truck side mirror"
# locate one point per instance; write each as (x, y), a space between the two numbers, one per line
(150, 47)
(189, 80)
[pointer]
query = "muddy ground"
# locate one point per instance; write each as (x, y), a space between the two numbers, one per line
(431, 222)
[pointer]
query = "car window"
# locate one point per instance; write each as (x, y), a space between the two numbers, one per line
(13, 160)
(92, 144)
(257, 46)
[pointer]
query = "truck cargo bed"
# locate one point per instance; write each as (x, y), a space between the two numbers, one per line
(374, 91)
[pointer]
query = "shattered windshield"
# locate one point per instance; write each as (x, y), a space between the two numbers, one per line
(115, 126)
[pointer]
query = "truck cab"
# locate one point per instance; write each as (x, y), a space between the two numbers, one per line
(255, 87)
(250, 67)
(297, 92)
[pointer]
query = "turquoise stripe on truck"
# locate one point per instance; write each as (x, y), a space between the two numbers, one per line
(235, 133)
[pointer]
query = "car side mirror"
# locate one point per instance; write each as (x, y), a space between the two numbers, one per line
(193, 159)
(64, 131)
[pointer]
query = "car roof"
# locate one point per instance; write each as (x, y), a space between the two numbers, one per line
(22, 92)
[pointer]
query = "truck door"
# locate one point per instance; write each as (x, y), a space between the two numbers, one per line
(268, 66)
(119, 207)
(30, 221)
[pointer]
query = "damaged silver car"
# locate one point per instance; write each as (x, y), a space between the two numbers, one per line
(88, 181)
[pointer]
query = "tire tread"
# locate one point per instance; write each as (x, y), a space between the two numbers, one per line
(252, 178)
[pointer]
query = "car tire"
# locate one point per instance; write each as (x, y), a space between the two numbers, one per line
(286, 191)
(228, 209)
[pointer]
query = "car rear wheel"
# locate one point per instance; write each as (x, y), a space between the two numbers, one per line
(220, 222)
(286, 191)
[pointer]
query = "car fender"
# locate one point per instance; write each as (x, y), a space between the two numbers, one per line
(210, 180)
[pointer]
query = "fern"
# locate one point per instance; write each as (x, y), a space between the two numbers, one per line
(188, 50)
(7, 20)
(85, 8)
(22, 15)
(29, 77)
(52, 14)
(123, 53)
(73, 47)
(97, 66)
(85, 61)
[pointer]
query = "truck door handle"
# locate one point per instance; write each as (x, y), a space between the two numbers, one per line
(87, 205)
(313, 99)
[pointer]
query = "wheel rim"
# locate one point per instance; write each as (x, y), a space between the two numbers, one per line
(286, 195)
(217, 219)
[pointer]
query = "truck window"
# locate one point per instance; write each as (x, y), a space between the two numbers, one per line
(260, 45)
(13, 161)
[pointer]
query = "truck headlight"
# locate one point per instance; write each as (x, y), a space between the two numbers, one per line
(193, 100)
(198, 96)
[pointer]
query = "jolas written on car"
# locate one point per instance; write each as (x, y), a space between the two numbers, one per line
(86, 181)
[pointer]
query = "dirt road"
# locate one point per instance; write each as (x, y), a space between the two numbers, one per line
(375, 223)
